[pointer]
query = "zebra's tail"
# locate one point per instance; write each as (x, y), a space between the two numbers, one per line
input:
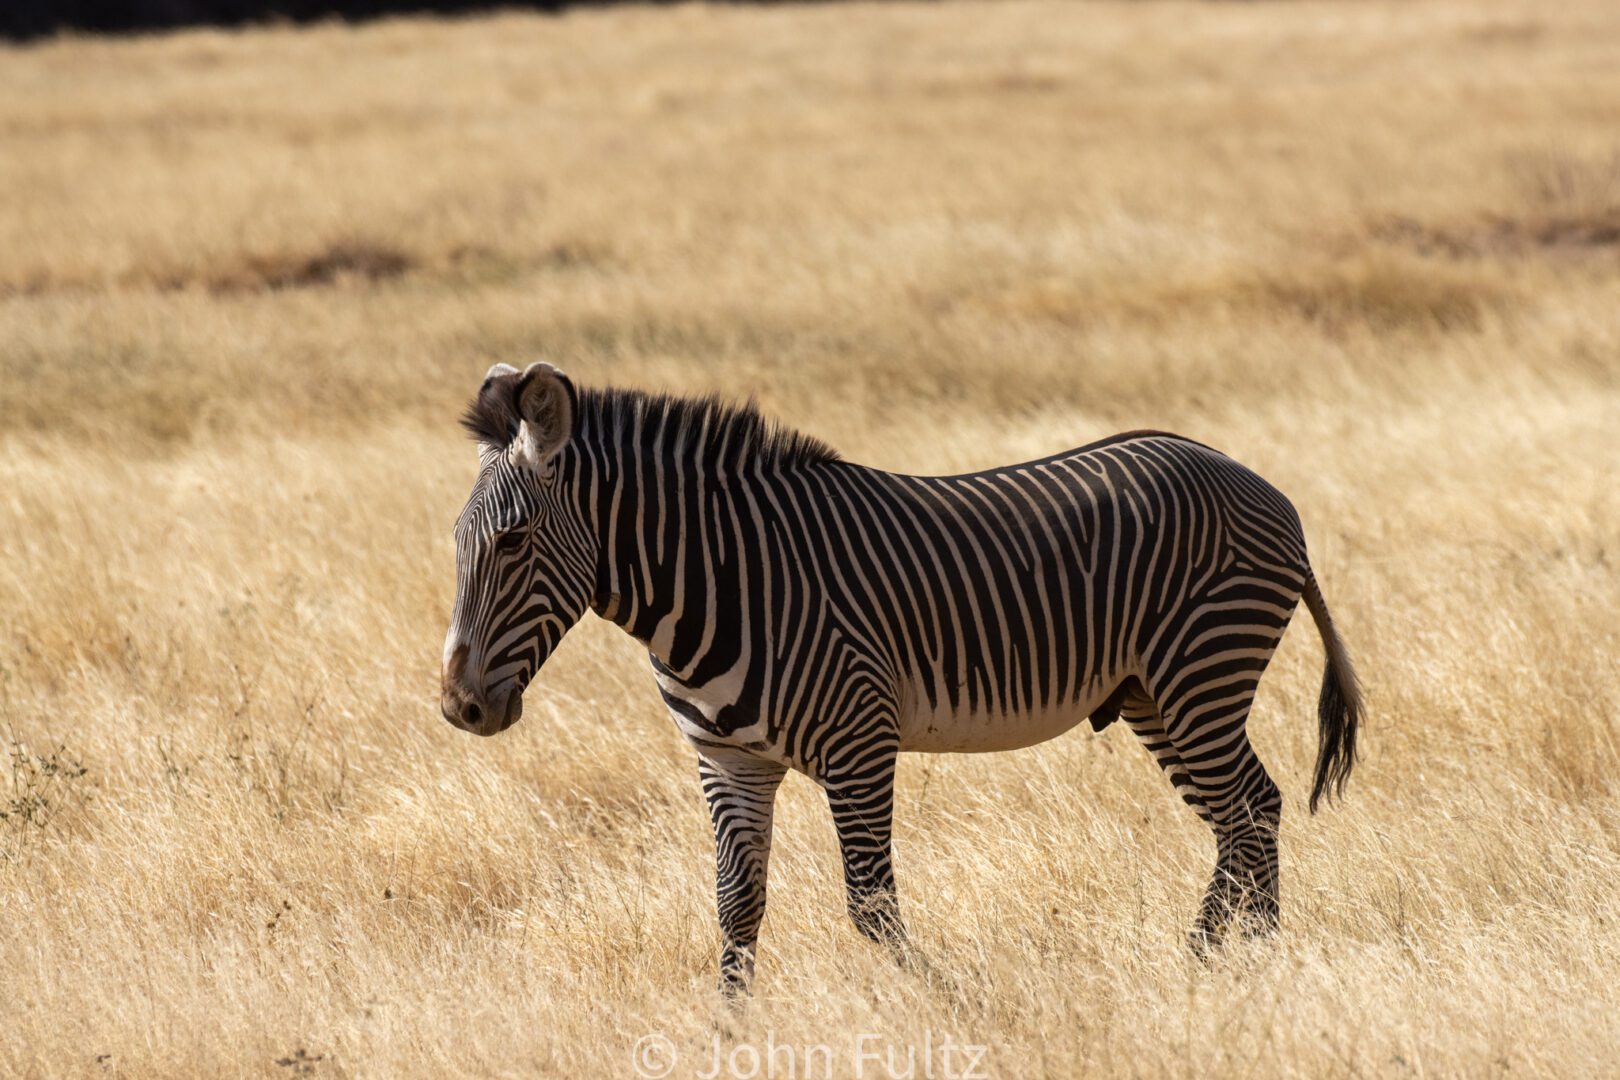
(1338, 710)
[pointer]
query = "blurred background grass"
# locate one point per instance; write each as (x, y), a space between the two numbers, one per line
(248, 279)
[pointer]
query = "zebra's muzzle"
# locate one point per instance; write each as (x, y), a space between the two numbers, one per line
(482, 715)
(481, 712)
(512, 708)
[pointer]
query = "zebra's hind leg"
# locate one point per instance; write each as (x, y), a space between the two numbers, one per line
(1207, 729)
(1142, 717)
(741, 791)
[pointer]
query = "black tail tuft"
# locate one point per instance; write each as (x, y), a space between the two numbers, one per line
(1338, 710)
(1336, 753)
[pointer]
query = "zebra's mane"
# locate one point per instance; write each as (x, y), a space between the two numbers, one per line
(491, 418)
(708, 430)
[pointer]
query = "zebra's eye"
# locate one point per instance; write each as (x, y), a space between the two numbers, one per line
(510, 543)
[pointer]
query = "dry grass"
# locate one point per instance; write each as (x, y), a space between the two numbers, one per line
(246, 281)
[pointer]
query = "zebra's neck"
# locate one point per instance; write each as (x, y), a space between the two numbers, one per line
(680, 492)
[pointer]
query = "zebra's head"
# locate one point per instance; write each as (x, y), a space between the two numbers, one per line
(525, 556)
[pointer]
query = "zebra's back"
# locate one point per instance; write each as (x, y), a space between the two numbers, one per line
(1009, 604)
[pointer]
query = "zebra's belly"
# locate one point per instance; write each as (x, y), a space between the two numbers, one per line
(947, 730)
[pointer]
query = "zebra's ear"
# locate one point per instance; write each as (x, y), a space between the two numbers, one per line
(545, 401)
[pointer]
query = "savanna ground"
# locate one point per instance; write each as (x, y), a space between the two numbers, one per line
(248, 280)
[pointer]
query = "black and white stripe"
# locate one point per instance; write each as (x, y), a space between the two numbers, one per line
(808, 613)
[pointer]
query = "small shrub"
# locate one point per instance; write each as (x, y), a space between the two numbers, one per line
(43, 789)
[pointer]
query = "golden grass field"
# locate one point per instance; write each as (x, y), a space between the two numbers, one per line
(248, 280)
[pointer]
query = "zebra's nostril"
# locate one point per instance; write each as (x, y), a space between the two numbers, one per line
(474, 714)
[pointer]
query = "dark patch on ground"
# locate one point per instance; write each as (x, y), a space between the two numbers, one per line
(1386, 296)
(338, 264)
(349, 260)
(1496, 237)
(301, 1061)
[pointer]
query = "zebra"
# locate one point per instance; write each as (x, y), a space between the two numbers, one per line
(804, 612)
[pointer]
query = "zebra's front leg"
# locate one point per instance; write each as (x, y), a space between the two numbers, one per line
(863, 812)
(741, 790)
